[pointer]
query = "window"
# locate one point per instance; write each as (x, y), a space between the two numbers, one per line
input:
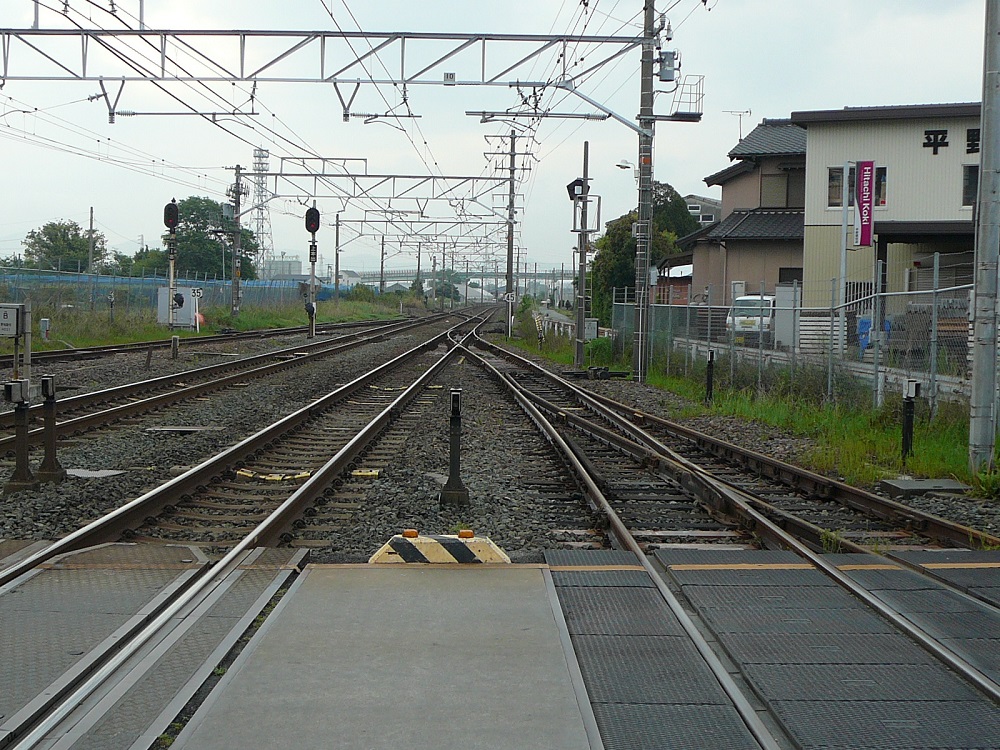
(788, 275)
(694, 208)
(774, 190)
(970, 184)
(707, 218)
(835, 183)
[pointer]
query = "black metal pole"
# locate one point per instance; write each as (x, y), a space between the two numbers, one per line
(22, 479)
(50, 470)
(710, 376)
(454, 492)
(907, 427)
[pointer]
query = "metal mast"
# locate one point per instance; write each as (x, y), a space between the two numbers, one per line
(260, 220)
(510, 216)
(643, 227)
(982, 404)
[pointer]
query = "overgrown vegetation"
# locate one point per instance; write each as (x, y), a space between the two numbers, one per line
(852, 440)
(76, 328)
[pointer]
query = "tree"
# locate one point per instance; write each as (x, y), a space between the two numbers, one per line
(613, 265)
(148, 262)
(63, 245)
(205, 241)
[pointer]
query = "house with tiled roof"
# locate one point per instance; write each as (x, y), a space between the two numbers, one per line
(760, 235)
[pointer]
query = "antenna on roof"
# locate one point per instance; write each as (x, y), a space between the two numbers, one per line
(739, 113)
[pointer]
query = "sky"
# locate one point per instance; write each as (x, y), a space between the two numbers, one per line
(761, 58)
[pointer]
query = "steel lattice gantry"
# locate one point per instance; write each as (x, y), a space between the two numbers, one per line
(292, 56)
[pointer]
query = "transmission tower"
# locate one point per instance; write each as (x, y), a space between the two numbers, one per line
(260, 219)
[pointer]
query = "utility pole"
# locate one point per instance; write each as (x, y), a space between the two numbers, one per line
(90, 259)
(434, 273)
(381, 269)
(643, 226)
(982, 405)
(581, 249)
(336, 261)
(510, 216)
(419, 280)
(237, 239)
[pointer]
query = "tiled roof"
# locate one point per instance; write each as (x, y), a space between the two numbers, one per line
(689, 240)
(720, 178)
(761, 224)
(771, 138)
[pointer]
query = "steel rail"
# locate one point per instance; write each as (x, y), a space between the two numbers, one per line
(92, 352)
(214, 381)
(268, 530)
(795, 477)
(112, 525)
(705, 484)
(747, 712)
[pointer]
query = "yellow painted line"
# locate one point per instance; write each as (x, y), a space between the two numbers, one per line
(875, 566)
(121, 566)
(589, 568)
(960, 566)
(744, 566)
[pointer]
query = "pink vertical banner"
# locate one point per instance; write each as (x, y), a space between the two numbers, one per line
(864, 203)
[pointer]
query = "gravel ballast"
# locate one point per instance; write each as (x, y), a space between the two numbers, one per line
(499, 442)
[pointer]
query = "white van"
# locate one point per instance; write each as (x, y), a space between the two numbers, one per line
(749, 316)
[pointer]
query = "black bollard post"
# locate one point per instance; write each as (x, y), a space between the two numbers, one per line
(911, 393)
(710, 376)
(454, 492)
(50, 470)
(17, 393)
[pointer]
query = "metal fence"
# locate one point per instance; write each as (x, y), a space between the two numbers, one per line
(873, 344)
(61, 290)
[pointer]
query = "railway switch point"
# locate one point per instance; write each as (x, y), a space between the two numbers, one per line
(464, 547)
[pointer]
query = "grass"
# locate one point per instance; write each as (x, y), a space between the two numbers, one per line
(851, 440)
(76, 328)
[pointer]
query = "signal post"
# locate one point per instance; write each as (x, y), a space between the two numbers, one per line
(312, 226)
(170, 219)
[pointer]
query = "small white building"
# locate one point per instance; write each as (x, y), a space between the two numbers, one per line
(926, 173)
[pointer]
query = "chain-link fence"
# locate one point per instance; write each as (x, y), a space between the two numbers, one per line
(63, 290)
(871, 345)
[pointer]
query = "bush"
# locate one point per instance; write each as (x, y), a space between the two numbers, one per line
(361, 293)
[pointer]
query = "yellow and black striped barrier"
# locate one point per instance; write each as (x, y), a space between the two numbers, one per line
(464, 547)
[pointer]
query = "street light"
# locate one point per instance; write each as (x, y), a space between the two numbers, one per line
(626, 164)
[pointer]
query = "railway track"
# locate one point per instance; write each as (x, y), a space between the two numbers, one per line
(273, 492)
(829, 515)
(95, 352)
(265, 483)
(94, 409)
(577, 413)
(302, 483)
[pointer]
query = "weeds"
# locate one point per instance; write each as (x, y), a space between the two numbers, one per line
(987, 484)
(831, 541)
